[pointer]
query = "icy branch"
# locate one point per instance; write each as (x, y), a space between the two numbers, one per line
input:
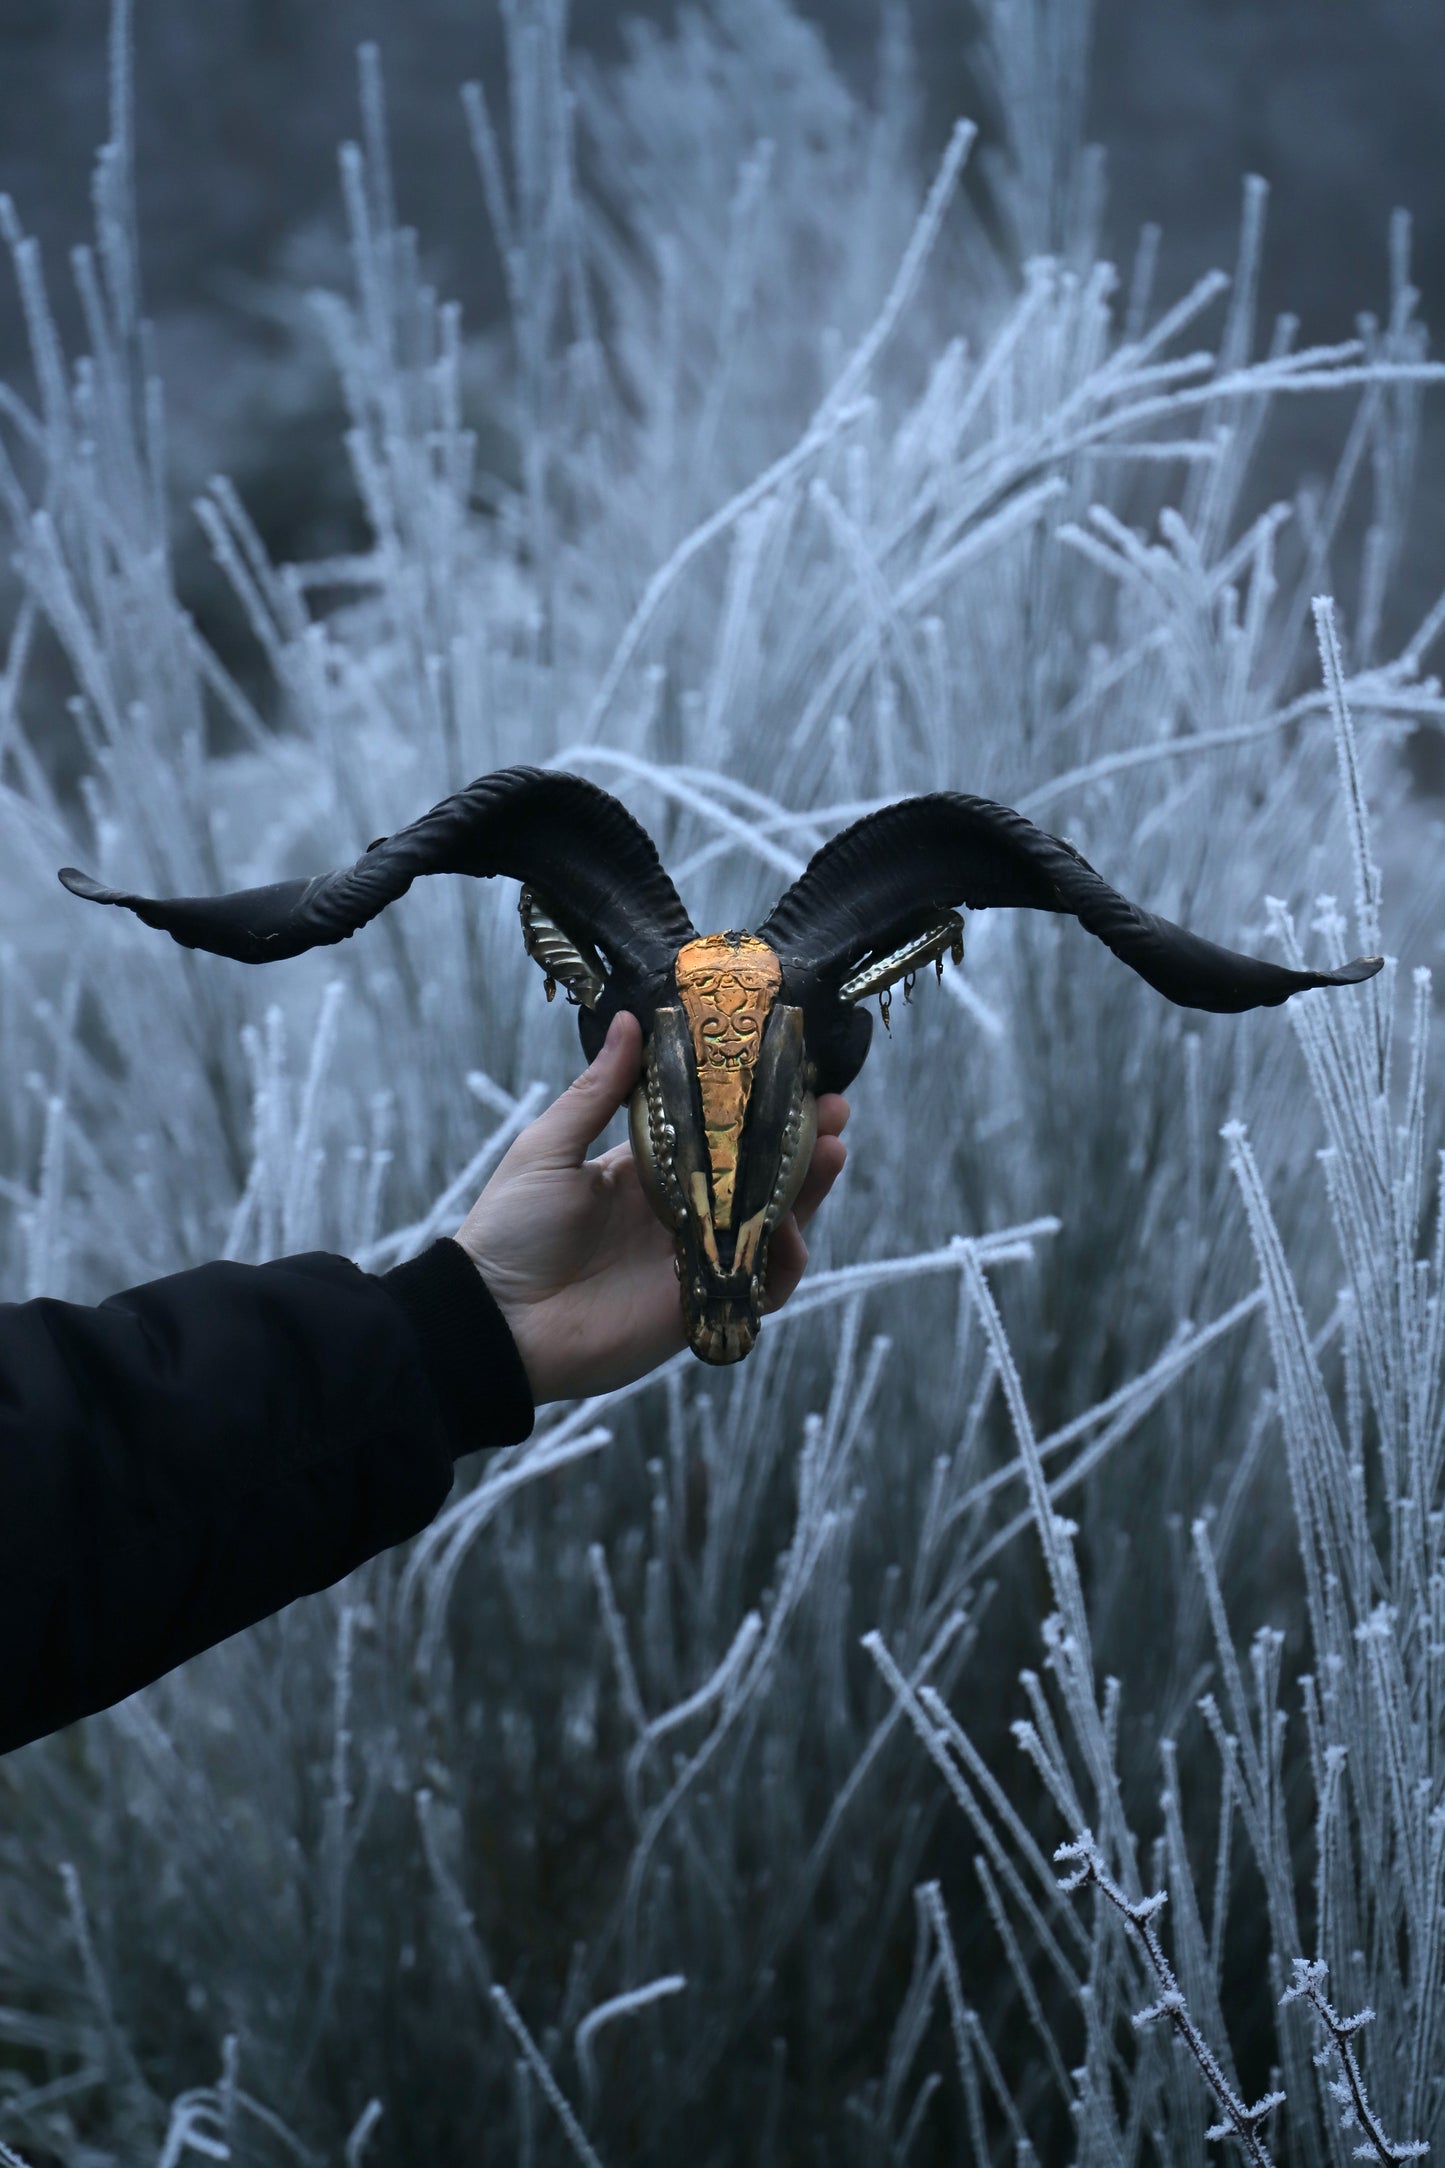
(1238, 2120)
(1348, 2090)
(576, 2136)
(626, 2005)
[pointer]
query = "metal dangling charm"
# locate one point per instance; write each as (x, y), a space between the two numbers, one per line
(885, 1002)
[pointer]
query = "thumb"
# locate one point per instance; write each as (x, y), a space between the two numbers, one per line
(561, 1134)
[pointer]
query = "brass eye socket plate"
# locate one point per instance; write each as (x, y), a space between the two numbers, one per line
(786, 1195)
(659, 1183)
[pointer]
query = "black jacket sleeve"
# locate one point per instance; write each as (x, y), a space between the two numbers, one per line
(190, 1455)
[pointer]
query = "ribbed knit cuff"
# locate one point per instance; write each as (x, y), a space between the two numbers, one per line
(467, 1347)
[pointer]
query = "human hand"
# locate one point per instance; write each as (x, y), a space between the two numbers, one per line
(573, 1254)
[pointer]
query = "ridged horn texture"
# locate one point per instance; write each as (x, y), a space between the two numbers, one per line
(575, 844)
(892, 874)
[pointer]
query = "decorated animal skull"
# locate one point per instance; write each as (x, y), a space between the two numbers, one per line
(740, 1031)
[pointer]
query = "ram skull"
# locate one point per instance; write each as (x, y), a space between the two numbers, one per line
(740, 1031)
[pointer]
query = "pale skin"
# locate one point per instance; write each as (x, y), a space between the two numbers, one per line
(575, 1258)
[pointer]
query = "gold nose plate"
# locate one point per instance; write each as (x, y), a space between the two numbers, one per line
(726, 983)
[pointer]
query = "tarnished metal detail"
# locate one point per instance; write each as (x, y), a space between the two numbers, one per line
(723, 1270)
(574, 963)
(800, 1134)
(727, 983)
(654, 1145)
(902, 963)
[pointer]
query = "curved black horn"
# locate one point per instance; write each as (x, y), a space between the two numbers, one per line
(883, 880)
(576, 844)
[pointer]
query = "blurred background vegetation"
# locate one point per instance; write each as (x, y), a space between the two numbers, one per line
(240, 104)
(613, 1720)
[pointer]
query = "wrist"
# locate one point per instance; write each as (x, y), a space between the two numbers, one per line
(467, 1347)
(514, 1315)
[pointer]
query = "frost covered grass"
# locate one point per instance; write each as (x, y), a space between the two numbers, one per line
(665, 1797)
